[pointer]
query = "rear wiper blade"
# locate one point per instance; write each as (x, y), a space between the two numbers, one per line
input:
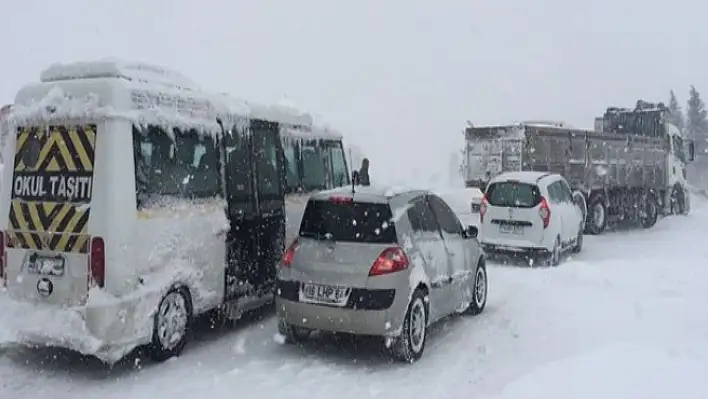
(318, 236)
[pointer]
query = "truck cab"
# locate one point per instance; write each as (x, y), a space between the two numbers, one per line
(652, 120)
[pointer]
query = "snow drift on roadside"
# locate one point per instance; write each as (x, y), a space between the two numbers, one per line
(636, 370)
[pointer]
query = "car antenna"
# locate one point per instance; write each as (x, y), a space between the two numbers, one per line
(350, 163)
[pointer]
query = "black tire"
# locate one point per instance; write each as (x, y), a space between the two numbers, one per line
(479, 293)
(553, 259)
(578, 246)
(293, 334)
(678, 201)
(650, 212)
(179, 301)
(407, 347)
(594, 222)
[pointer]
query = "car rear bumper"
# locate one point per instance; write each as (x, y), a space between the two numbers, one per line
(330, 318)
(362, 315)
(514, 250)
(107, 331)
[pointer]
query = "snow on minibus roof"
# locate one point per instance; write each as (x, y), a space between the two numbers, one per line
(114, 89)
(312, 132)
(114, 68)
(139, 92)
(100, 99)
(230, 107)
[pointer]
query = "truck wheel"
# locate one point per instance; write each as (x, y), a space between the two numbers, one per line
(649, 211)
(596, 220)
(678, 201)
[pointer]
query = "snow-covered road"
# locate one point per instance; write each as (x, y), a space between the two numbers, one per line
(626, 318)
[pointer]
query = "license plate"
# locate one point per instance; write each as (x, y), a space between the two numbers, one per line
(324, 294)
(45, 265)
(511, 229)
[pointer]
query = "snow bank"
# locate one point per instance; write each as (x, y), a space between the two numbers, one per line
(26, 322)
(632, 370)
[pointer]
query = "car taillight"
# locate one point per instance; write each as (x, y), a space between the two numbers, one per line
(290, 253)
(97, 263)
(482, 208)
(391, 260)
(545, 212)
(3, 277)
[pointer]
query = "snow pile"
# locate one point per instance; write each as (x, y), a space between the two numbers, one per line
(622, 371)
(24, 322)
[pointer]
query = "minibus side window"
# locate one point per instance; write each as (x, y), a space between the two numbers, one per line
(313, 165)
(184, 165)
(238, 171)
(339, 165)
(292, 170)
(266, 148)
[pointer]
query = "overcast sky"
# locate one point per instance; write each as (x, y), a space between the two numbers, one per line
(398, 77)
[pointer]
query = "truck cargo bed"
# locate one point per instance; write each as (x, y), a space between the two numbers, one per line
(588, 159)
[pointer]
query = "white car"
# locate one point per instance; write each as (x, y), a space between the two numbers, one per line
(531, 214)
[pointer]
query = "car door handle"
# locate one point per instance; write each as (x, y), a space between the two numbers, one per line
(222, 233)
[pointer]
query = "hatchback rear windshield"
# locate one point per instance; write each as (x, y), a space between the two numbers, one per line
(513, 194)
(353, 222)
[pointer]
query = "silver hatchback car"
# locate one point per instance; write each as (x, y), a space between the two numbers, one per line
(379, 262)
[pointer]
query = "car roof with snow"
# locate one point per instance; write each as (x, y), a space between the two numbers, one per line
(375, 194)
(529, 177)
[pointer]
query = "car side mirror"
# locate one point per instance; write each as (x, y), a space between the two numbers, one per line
(471, 232)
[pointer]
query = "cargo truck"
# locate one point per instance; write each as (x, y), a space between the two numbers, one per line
(632, 166)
